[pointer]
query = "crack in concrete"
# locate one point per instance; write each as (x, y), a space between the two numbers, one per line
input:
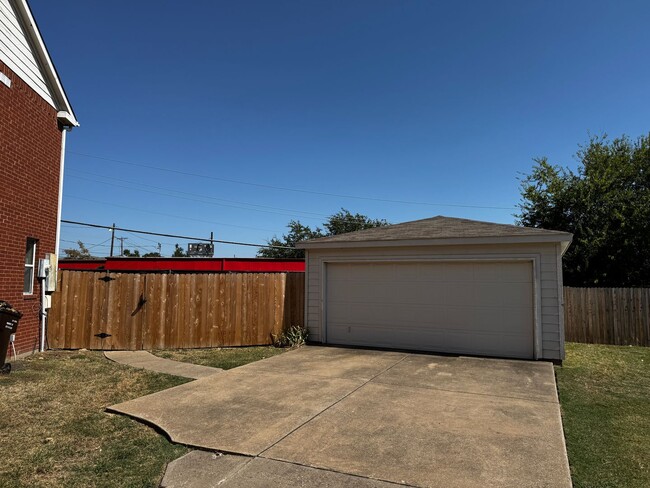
(330, 406)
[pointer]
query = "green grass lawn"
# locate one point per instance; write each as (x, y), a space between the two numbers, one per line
(224, 357)
(605, 399)
(54, 431)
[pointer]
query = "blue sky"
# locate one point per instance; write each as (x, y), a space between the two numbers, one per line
(441, 103)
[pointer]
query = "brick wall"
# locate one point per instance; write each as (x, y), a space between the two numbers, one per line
(30, 153)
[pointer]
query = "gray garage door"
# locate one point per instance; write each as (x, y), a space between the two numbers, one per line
(483, 308)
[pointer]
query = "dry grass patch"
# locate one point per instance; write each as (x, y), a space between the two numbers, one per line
(54, 430)
(221, 357)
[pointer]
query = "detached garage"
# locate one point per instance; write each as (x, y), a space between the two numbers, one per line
(441, 284)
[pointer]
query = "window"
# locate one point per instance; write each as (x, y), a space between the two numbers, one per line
(30, 259)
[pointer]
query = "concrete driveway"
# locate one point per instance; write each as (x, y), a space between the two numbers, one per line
(414, 419)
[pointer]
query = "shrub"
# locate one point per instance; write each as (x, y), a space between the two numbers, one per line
(294, 336)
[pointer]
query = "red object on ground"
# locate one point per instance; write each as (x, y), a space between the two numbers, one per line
(240, 265)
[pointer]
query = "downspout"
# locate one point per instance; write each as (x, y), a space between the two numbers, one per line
(64, 120)
(43, 317)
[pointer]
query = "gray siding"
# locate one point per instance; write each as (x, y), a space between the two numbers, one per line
(17, 54)
(548, 290)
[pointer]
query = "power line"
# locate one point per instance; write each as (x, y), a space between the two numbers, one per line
(150, 240)
(347, 219)
(282, 188)
(203, 239)
(283, 211)
(90, 246)
(165, 214)
(97, 245)
(187, 198)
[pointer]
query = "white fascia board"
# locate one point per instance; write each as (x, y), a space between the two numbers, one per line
(49, 71)
(66, 119)
(565, 239)
(564, 245)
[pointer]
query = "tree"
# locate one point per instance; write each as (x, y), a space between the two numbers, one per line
(127, 253)
(343, 222)
(81, 253)
(339, 223)
(152, 255)
(285, 247)
(179, 252)
(605, 205)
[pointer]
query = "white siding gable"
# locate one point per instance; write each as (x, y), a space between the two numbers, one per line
(17, 54)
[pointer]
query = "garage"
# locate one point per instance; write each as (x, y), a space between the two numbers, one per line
(441, 285)
(462, 307)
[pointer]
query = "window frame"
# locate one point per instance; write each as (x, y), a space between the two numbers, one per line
(32, 244)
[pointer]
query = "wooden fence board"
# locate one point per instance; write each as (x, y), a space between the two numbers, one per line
(617, 316)
(157, 310)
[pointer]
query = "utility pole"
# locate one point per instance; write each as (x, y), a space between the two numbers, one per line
(112, 238)
(160, 249)
(212, 242)
(122, 239)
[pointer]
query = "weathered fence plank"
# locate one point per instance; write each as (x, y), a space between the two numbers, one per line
(617, 316)
(156, 310)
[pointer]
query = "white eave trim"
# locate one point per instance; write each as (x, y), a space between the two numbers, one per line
(66, 120)
(564, 239)
(49, 71)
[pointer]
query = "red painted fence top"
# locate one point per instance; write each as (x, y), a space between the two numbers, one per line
(251, 265)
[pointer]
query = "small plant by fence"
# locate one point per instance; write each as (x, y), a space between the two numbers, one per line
(98, 310)
(617, 316)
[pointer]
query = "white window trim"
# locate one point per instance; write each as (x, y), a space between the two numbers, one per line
(31, 266)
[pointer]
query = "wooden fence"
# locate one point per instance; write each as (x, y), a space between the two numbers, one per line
(619, 316)
(99, 310)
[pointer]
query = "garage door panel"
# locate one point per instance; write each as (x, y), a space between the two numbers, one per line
(456, 272)
(381, 293)
(440, 340)
(501, 271)
(384, 314)
(501, 295)
(462, 319)
(471, 308)
(456, 294)
(504, 320)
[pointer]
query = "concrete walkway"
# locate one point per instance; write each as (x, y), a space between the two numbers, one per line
(146, 360)
(413, 419)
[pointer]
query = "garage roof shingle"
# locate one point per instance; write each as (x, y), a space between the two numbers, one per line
(439, 227)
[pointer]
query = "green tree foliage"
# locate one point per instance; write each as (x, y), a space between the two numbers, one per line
(285, 247)
(339, 223)
(81, 253)
(605, 205)
(151, 255)
(179, 252)
(343, 222)
(127, 253)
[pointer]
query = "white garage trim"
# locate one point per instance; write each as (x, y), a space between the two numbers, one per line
(534, 259)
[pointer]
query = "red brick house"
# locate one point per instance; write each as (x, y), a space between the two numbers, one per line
(35, 116)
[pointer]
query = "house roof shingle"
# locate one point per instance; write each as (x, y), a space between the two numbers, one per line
(439, 227)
